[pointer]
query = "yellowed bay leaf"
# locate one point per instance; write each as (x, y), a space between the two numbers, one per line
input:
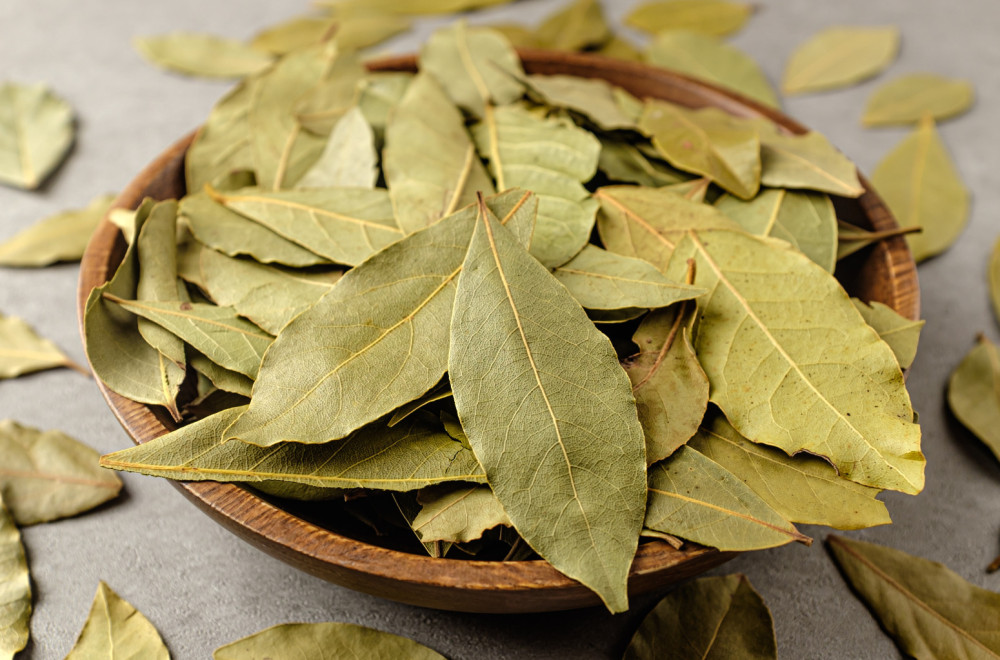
(839, 56)
(457, 515)
(36, 132)
(15, 588)
(580, 25)
(902, 334)
(202, 55)
(324, 641)
(61, 237)
(974, 393)
(116, 629)
(712, 17)
(22, 351)
(905, 100)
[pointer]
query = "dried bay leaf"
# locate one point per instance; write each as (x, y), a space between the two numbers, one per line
(852, 238)
(620, 49)
(717, 18)
(15, 588)
(785, 351)
(202, 55)
(670, 387)
(805, 161)
(293, 34)
(325, 641)
(994, 279)
(22, 351)
(908, 98)
(580, 25)
(349, 157)
(929, 610)
(36, 133)
(595, 99)
(457, 516)
(378, 93)
(709, 58)
(411, 455)
(695, 498)
(920, 184)
(707, 142)
(429, 161)
(344, 225)
(47, 475)
(115, 629)
(647, 223)
(974, 393)
(409, 7)
(61, 237)
(546, 406)
(220, 377)
(901, 333)
(222, 144)
(322, 106)
(217, 332)
(839, 56)
(622, 161)
(711, 618)
(551, 157)
(803, 489)
(476, 66)
(353, 30)
(599, 279)
(806, 220)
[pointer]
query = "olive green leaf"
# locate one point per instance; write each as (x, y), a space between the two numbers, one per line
(429, 161)
(712, 17)
(410, 455)
(204, 55)
(326, 641)
(36, 133)
(378, 94)
(670, 387)
(929, 610)
(217, 332)
(411, 7)
(476, 66)
(580, 25)
(902, 334)
(116, 629)
(622, 161)
(707, 142)
(233, 234)
(593, 98)
(599, 279)
(839, 56)
(61, 237)
(805, 161)
(708, 619)
(921, 186)
(457, 516)
(222, 144)
(47, 475)
(806, 220)
(320, 108)
(551, 157)
(267, 295)
(994, 278)
(712, 60)
(220, 377)
(353, 30)
(695, 498)
(344, 225)
(803, 488)
(439, 393)
(647, 223)
(15, 588)
(22, 351)
(349, 157)
(619, 48)
(548, 412)
(293, 34)
(851, 238)
(518, 35)
(782, 338)
(906, 99)
(974, 393)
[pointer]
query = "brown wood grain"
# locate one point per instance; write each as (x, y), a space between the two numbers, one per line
(885, 273)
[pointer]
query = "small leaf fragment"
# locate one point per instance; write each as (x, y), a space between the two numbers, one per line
(974, 393)
(116, 629)
(457, 516)
(580, 25)
(324, 641)
(36, 133)
(593, 98)
(717, 18)
(60, 237)
(839, 56)
(202, 55)
(15, 588)
(905, 100)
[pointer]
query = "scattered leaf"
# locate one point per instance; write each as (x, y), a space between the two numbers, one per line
(839, 56)
(36, 133)
(116, 629)
(22, 351)
(410, 7)
(907, 99)
(901, 333)
(61, 237)
(974, 393)
(15, 588)
(580, 25)
(202, 55)
(324, 641)
(353, 30)
(717, 18)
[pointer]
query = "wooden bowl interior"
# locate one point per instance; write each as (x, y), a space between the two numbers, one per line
(883, 273)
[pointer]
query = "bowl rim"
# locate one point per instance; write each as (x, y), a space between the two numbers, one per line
(488, 586)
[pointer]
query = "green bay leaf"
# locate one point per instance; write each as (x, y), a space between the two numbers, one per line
(22, 351)
(920, 184)
(902, 334)
(712, 17)
(595, 99)
(222, 144)
(457, 515)
(580, 25)
(994, 279)
(929, 610)
(839, 56)
(851, 238)
(711, 618)
(548, 412)
(116, 629)
(353, 30)
(36, 133)
(622, 161)
(320, 107)
(974, 393)
(324, 641)
(786, 353)
(220, 377)
(60, 237)
(204, 55)
(47, 475)
(905, 100)
(806, 161)
(15, 588)
(349, 158)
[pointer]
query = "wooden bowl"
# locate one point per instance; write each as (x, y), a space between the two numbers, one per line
(884, 273)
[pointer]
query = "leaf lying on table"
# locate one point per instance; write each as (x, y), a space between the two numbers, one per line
(353, 30)
(839, 56)
(713, 17)
(902, 334)
(202, 55)
(36, 133)
(709, 618)
(928, 610)
(45, 476)
(324, 641)
(22, 351)
(116, 629)
(908, 98)
(520, 343)
(15, 588)
(921, 186)
(457, 516)
(580, 25)
(974, 393)
(61, 237)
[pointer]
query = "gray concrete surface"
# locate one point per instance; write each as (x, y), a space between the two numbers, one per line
(202, 587)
